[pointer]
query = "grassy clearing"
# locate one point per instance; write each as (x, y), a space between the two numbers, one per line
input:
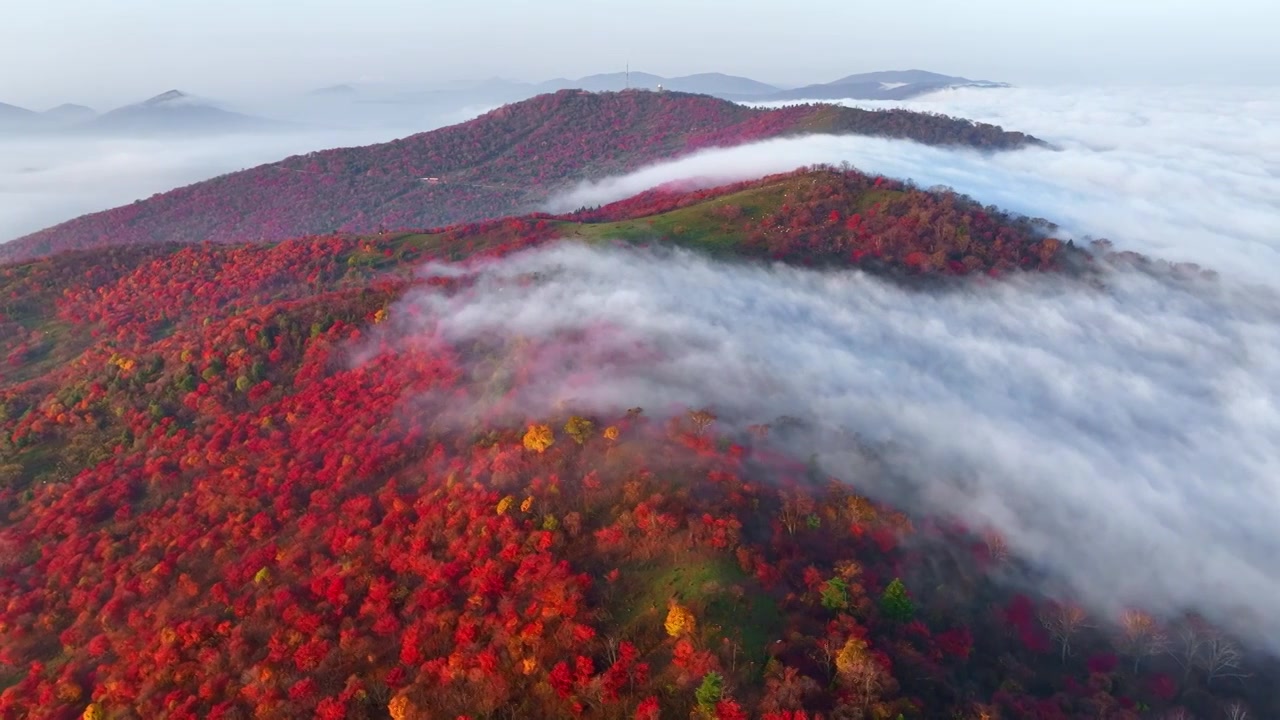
(726, 602)
(701, 226)
(706, 226)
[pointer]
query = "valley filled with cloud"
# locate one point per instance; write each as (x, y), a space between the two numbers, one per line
(1188, 174)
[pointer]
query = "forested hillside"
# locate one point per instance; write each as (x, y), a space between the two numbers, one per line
(217, 501)
(502, 163)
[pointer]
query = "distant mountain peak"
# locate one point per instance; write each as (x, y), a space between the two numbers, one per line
(170, 96)
(339, 89)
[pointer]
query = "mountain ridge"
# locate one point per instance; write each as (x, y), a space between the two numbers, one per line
(170, 112)
(860, 86)
(497, 164)
(174, 112)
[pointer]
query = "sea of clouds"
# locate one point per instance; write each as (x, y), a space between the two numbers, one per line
(1124, 438)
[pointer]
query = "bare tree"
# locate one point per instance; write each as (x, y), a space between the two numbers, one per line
(701, 420)
(1063, 621)
(796, 505)
(997, 548)
(825, 654)
(1210, 651)
(1141, 636)
(611, 648)
(1236, 711)
(1186, 648)
(1220, 658)
(734, 649)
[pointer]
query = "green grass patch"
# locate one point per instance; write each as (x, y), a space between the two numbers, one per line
(726, 602)
(705, 226)
(702, 226)
(875, 197)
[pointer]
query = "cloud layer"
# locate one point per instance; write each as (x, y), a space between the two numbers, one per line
(1125, 439)
(1189, 174)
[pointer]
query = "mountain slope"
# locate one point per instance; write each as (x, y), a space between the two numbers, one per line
(819, 216)
(13, 117)
(68, 113)
(504, 162)
(230, 486)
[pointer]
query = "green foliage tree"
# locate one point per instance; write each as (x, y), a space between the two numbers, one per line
(835, 594)
(709, 692)
(895, 603)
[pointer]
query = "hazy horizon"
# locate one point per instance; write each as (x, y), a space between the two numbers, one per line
(391, 41)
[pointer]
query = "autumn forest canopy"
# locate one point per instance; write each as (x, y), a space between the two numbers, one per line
(322, 439)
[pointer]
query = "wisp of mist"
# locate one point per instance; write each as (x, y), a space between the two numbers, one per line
(1125, 439)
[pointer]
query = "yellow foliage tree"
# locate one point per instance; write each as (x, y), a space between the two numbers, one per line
(859, 672)
(93, 712)
(579, 429)
(680, 620)
(527, 505)
(851, 657)
(539, 438)
(505, 504)
(400, 708)
(611, 432)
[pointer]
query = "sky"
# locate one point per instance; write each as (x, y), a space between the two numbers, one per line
(104, 54)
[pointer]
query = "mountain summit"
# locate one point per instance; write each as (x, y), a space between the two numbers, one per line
(168, 97)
